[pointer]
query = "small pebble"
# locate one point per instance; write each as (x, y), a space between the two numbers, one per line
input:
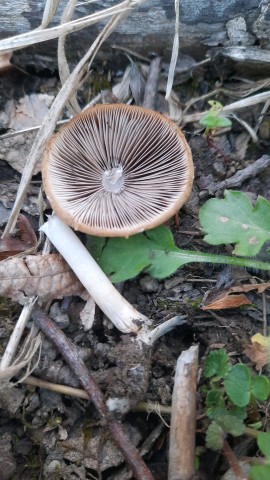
(149, 284)
(219, 168)
(58, 316)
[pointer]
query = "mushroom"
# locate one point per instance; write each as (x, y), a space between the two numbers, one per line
(114, 170)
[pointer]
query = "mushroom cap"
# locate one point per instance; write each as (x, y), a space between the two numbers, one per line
(116, 170)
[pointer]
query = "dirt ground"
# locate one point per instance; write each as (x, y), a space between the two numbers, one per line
(44, 434)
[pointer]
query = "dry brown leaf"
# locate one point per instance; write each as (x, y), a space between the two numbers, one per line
(261, 287)
(47, 276)
(232, 297)
(227, 301)
(259, 354)
(12, 245)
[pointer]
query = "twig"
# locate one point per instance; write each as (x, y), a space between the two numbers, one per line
(148, 407)
(131, 52)
(183, 417)
(233, 462)
(74, 360)
(28, 130)
(264, 314)
(151, 87)
(250, 171)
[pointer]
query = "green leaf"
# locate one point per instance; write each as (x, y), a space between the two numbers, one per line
(263, 441)
(214, 436)
(238, 385)
(216, 364)
(95, 245)
(239, 412)
(214, 399)
(230, 423)
(213, 119)
(155, 252)
(260, 387)
(259, 472)
(235, 220)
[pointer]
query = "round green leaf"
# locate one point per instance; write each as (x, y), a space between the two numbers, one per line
(260, 387)
(259, 472)
(264, 444)
(238, 384)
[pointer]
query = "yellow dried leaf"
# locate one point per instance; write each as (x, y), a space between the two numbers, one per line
(261, 339)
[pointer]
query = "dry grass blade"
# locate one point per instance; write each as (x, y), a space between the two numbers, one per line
(249, 129)
(37, 36)
(48, 13)
(17, 334)
(63, 67)
(30, 347)
(175, 50)
(244, 103)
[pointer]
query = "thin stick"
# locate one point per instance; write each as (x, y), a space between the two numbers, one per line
(183, 417)
(239, 177)
(71, 355)
(151, 86)
(233, 462)
(148, 407)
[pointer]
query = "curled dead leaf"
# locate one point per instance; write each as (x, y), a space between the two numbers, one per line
(221, 300)
(232, 297)
(259, 354)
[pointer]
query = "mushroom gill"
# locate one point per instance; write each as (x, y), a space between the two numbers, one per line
(116, 170)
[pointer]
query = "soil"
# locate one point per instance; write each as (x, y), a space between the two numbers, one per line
(44, 434)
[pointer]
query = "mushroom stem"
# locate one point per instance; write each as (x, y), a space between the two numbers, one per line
(123, 315)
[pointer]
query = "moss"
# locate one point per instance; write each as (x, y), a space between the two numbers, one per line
(166, 304)
(98, 83)
(195, 303)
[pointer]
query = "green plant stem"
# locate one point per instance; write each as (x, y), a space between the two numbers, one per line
(251, 432)
(189, 256)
